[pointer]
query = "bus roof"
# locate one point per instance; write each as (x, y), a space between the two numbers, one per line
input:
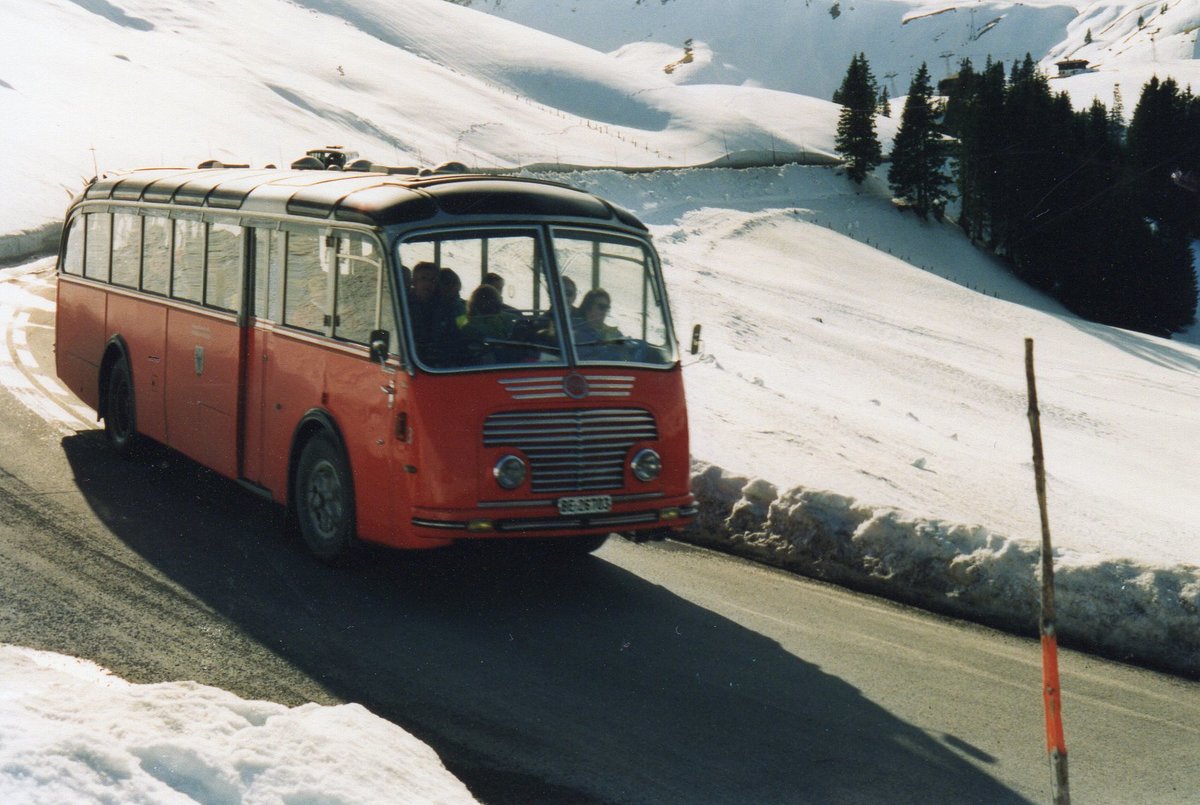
(359, 197)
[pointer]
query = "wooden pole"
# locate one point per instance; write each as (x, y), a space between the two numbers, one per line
(1056, 744)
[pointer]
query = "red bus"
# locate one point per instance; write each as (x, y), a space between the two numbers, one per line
(277, 327)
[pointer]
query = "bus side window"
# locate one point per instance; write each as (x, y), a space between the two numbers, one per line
(73, 259)
(306, 282)
(187, 268)
(127, 249)
(223, 287)
(358, 289)
(156, 255)
(268, 274)
(99, 246)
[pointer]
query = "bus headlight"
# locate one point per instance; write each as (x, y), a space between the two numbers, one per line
(509, 472)
(646, 465)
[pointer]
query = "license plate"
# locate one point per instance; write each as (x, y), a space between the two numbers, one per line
(589, 504)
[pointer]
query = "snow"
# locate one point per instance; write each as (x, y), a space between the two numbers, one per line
(858, 410)
(72, 732)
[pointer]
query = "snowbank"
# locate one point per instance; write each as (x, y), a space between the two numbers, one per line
(1117, 607)
(72, 732)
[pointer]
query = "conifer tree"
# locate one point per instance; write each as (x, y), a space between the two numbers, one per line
(917, 174)
(1162, 137)
(1116, 115)
(856, 139)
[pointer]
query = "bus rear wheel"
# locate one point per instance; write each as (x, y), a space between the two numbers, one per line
(120, 413)
(324, 500)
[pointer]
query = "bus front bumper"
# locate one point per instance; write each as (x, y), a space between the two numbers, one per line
(482, 526)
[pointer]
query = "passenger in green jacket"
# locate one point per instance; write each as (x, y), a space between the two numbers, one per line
(487, 321)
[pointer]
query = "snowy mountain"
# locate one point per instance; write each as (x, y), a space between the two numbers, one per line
(804, 46)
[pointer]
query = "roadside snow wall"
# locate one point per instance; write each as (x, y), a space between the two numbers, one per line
(1117, 608)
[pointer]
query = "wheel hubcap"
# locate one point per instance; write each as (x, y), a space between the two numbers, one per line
(324, 495)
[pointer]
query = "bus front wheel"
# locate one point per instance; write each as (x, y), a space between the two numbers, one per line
(324, 499)
(120, 416)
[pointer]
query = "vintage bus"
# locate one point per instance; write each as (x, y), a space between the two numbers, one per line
(276, 326)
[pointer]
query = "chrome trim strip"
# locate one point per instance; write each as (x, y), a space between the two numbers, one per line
(518, 504)
(449, 526)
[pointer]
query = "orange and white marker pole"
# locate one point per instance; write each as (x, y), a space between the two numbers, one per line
(1056, 744)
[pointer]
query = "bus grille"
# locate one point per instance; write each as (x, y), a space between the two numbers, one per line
(572, 451)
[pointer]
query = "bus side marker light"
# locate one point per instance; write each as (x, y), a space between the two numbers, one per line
(671, 513)
(480, 526)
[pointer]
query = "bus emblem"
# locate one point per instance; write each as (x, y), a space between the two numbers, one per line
(576, 386)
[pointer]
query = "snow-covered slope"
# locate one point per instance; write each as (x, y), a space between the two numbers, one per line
(805, 47)
(100, 86)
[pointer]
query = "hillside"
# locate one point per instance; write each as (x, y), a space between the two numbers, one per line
(95, 87)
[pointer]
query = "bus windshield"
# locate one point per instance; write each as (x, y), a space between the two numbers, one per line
(502, 297)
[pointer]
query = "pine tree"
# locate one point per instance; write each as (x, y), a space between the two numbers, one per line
(885, 108)
(856, 140)
(917, 174)
(1116, 116)
(1162, 138)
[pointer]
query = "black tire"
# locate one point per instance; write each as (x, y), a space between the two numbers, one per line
(323, 500)
(120, 409)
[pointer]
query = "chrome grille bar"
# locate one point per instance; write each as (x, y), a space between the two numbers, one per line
(572, 451)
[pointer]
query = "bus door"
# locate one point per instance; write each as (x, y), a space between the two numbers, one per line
(330, 293)
(367, 391)
(204, 344)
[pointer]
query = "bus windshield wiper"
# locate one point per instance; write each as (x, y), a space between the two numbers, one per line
(607, 341)
(504, 342)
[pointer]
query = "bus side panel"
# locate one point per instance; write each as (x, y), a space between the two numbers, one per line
(358, 399)
(142, 324)
(203, 371)
(80, 337)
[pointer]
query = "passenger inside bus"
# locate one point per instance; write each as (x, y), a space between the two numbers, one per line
(593, 338)
(449, 292)
(487, 323)
(496, 281)
(434, 330)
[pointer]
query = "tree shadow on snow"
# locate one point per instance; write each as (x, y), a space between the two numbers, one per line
(533, 681)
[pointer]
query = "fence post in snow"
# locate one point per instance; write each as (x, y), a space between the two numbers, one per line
(1056, 744)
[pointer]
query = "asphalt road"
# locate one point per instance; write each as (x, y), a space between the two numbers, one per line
(647, 673)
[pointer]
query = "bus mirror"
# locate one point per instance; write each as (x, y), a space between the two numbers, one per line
(380, 345)
(696, 340)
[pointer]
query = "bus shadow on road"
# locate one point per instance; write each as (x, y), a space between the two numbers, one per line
(534, 681)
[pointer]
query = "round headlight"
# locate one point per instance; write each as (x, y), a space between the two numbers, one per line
(509, 472)
(646, 465)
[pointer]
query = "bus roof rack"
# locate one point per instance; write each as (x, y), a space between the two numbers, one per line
(216, 163)
(331, 157)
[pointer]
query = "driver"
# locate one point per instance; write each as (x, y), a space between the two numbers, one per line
(591, 333)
